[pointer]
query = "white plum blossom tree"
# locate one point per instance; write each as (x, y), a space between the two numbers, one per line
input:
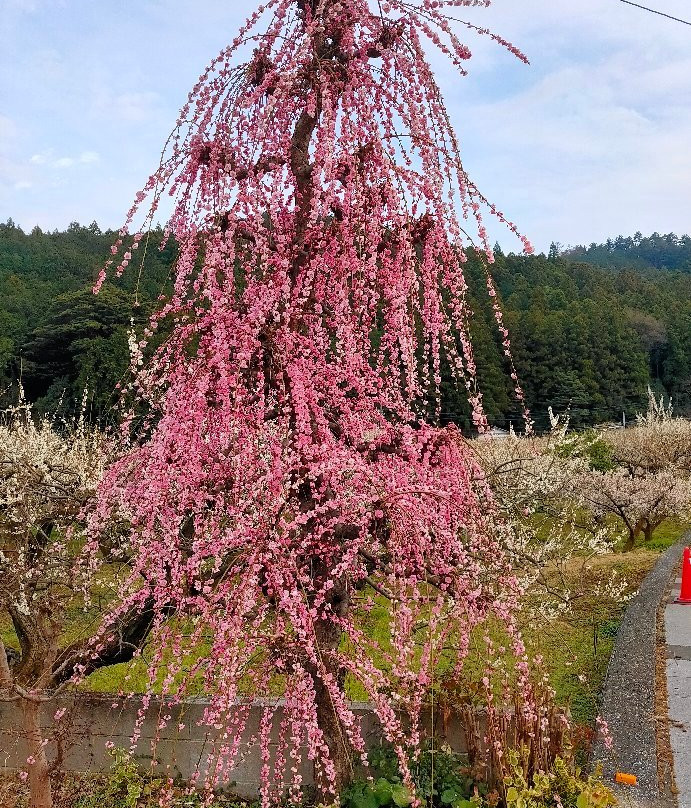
(48, 474)
(641, 502)
(541, 519)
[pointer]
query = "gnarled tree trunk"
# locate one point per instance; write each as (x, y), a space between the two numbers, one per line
(328, 638)
(40, 793)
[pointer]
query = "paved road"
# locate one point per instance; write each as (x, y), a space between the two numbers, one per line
(678, 637)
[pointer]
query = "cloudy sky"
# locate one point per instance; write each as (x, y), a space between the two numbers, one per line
(591, 140)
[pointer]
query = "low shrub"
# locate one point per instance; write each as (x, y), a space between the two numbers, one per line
(126, 786)
(561, 787)
(444, 779)
(590, 446)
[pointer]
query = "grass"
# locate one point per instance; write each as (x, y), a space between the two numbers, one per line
(669, 533)
(575, 649)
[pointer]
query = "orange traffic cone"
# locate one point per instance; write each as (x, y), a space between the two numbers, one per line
(685, 594)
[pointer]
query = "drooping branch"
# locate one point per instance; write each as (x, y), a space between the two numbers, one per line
(123, 642)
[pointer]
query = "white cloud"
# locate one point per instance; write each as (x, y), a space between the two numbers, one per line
(131, 107)
(22, 185)
(89, 157)
(590, 140)
(46, 158)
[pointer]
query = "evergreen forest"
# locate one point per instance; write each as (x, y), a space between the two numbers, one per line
(591, 327)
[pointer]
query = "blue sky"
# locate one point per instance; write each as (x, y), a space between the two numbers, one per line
(591, 140)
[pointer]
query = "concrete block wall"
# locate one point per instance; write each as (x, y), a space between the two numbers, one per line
(91, 721)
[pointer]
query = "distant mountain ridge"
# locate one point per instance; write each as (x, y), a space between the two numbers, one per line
(656, 251)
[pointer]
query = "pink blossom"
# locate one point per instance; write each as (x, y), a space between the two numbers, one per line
(276, 433)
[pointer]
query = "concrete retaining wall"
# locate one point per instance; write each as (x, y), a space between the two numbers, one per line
(93, 720)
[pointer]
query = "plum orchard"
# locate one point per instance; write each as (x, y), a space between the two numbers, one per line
(285, 471)
(652, 482)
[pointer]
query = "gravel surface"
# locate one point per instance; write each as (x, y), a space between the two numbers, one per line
(628, 700)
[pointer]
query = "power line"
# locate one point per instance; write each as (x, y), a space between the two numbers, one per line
(653, 11)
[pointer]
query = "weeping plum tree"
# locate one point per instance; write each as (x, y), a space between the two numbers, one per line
(283, 478)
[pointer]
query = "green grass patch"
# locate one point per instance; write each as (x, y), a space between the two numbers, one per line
(575, 650)
(667, 534)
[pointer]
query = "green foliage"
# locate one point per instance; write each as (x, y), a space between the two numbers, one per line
(572, 341)
(559, 788)
(669, 252)
(600, 455)
(442, 779)
(54, 332)
(590, 446)
(126, 787)
(586, 337)
(81, 344)
(380, 794)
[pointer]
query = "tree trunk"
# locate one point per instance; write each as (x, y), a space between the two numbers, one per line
(635, 531)
(329, 722)
(328, 638)
(39, 771)
(327, 635)
(648, 531)
(631, 540)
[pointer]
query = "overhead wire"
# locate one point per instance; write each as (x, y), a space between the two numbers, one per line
(655, 11)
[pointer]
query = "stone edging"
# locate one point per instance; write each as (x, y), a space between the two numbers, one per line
(628, 698)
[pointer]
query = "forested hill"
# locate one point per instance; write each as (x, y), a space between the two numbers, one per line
(54, 331)
(635, 252)
(590, 328)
